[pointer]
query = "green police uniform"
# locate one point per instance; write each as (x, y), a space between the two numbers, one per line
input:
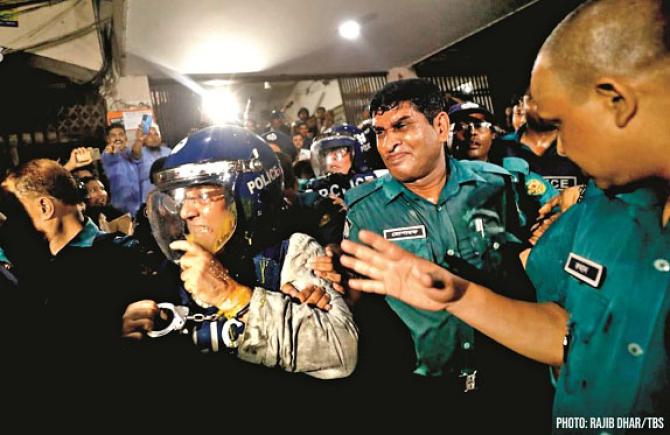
(533, 184)
(607, 262)
(469, 222)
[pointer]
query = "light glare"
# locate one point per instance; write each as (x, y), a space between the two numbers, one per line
(221, 106)
(350, 30)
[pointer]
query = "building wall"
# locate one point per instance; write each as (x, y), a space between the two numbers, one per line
(312, 94)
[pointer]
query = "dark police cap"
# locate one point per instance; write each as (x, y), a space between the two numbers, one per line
(460, 112)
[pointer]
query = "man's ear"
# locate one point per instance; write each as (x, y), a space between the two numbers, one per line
(47, 207)
(619, 98)
(441, 124)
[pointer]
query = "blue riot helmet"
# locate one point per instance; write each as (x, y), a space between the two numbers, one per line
(361, 147)
(333, 153)
(218, 183)
(345, 128)
(282, 141)
(370, 153)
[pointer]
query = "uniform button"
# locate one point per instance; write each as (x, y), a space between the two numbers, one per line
(466, 345)
(450, 252)
(635, 349)
(662, 265)
(496, 245)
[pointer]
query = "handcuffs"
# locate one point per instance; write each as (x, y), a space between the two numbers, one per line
(230, 332)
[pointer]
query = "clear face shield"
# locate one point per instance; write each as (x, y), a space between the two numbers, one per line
(196, 203)
(331, 156)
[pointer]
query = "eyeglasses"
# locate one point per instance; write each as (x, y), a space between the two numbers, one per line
(475, 124)
(204, 197)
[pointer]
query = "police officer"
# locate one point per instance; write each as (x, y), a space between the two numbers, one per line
(336, 161)
(338, 164)
(612, 342)
(537, 143)
(214, 214)
(459, 214)
(474, 138)
(280, 142)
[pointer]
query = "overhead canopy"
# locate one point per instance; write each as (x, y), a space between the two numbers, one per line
(294, 37)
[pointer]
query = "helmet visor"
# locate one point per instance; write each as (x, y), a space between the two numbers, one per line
(202, 213)
(332, 156)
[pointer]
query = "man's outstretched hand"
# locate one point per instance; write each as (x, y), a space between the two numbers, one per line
(398, 273)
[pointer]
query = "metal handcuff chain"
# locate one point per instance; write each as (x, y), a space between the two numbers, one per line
(179, 318)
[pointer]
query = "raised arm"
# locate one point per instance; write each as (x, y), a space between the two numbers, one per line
(533, 330)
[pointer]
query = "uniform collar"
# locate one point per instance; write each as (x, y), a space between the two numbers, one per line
(644, 194)
(86, 236)
(459, 174)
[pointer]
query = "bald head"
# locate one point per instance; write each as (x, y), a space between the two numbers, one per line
(609, 37)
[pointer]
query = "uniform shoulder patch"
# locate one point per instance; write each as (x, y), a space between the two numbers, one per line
(364, 190)
(535, 187)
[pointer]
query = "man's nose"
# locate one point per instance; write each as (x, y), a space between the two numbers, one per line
(389, 142)
(188, 210)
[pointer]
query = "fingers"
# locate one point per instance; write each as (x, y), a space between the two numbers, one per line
(569, 197)
(136, 329)
(334, 278)
(311, 295)
(548, 206)
(339, 288)
(193, 253)
(368, 286)
(138, 319)
(323, 264)
(338, 202)
(141, 309)
(539, 230)
(362, 267)
(333, 250)
(185, 277)
(365, 260)
(379, 244)
(318, 297)
(183, 245)
(291, 291)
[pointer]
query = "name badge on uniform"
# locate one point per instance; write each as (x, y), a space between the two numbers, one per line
(405, 233)
(585, 270)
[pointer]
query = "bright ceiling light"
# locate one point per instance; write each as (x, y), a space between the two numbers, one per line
(350, 30)
(221, 106)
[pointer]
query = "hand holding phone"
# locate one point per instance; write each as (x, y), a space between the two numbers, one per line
(146, 123)
(82, 155)
(86, 155)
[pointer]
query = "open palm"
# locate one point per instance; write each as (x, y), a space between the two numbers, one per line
(398, 273)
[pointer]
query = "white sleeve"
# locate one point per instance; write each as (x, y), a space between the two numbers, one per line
(297, 337)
